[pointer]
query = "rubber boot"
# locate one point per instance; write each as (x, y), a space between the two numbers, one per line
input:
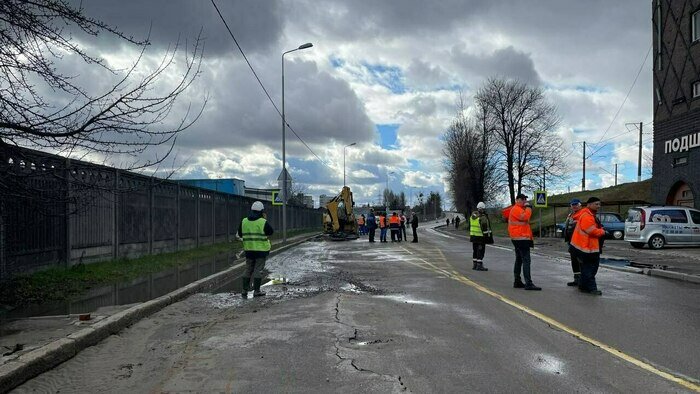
(474, 264)
(246, 285)
(575, 281)
(256, 287)
(480, 266)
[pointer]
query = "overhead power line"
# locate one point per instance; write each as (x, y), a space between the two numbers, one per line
(252, 69)
(641, 67)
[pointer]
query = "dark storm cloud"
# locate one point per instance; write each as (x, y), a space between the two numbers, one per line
(319, 107)
(507, 62)
(257, 25)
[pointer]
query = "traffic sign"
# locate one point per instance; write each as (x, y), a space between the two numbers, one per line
(276, 198)
(541, 199)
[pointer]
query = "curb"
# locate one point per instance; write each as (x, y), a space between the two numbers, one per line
(44, 358)
(644, 271)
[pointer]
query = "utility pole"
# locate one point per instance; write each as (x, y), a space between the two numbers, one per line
(615, 174)
(583, 180)
(639, 164)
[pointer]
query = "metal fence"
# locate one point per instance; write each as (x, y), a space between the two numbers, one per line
(59, 212)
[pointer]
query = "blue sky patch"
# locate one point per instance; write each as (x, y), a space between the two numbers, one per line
(387, 135)
(390, 77)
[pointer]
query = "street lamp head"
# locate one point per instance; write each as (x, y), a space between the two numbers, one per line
(307, 45)
(353, 144)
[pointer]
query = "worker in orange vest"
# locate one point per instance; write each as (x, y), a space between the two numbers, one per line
(382, 227)
(586, 244)
(394, 224)
(521, 236)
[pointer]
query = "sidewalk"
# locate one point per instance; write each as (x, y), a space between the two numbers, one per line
(682, 263)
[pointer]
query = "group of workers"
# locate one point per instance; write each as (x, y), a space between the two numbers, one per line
(583, 233)
(394, 224)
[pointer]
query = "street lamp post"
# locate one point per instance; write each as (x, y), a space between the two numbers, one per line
(354, 143)
(386, 199)
(284, 149)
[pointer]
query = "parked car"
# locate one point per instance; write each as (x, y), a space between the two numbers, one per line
(658, 226)
(612, 222)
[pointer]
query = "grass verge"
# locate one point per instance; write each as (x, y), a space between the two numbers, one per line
(58, 284)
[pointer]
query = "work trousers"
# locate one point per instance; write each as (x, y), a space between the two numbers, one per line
(371, 234)
(478, 250)
(415, 234)
(522, 260)
(589, 268)
(575, 264)
(254, 266)
(403, 232)
(395, 233)
(382, 234)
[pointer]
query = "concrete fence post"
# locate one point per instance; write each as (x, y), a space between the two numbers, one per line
(115, 216)
(67, 215)
(196, 219)
(177, 220)
(213, 217)
(150, 216)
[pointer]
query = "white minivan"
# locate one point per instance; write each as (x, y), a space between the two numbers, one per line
(658, 226)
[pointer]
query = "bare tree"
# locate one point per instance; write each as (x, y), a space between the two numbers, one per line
(469, 159)
(524, 133)
(126, 118)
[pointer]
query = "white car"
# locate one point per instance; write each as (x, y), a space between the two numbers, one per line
(658, 226)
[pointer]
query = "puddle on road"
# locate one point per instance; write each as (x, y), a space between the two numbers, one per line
(405, 299)
(134, 291)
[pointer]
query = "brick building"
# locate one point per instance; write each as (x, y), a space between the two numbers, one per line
(676, 45)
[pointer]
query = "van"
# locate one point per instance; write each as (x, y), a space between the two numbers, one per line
(658, 226)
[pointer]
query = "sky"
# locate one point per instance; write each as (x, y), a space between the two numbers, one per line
(386, 75)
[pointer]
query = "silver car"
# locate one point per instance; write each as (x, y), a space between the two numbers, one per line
(658, 226)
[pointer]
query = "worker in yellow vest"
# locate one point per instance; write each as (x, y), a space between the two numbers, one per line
(479, 235)
(255, 231)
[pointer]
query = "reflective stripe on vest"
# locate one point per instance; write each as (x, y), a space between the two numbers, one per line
(475, 227)
(254, 238)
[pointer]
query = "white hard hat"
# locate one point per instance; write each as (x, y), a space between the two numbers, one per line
(481, 205)
(258, 206)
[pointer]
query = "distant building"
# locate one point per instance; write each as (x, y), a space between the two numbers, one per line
(323, 200)
(229, 185)
(260, 194)
(676, 35)
(308, 201)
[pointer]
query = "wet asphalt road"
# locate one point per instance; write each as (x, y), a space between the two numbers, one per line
(356, 317)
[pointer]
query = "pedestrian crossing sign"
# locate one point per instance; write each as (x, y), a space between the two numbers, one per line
(541, 199)
(276, 198)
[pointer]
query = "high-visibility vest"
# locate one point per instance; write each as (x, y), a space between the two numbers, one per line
(394, 220)
(382, 221)
(254, 238)
(586, 234)
(475, 227)
(519, 223)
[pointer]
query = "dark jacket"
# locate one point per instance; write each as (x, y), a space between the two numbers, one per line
(414, 221)
(253, 216)
(371, 221)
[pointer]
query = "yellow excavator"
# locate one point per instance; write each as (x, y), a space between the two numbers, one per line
(339, 220)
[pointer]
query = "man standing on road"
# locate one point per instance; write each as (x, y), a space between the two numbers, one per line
(586, 243)
(402, 232)
(457, 220)
(569, 226)
(521, 236)
(478, 231)
(394, 223)
(371, 224)
(382, 227)
(255, 231)
(414, 227)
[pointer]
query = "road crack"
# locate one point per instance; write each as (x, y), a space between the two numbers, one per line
(352, 361)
